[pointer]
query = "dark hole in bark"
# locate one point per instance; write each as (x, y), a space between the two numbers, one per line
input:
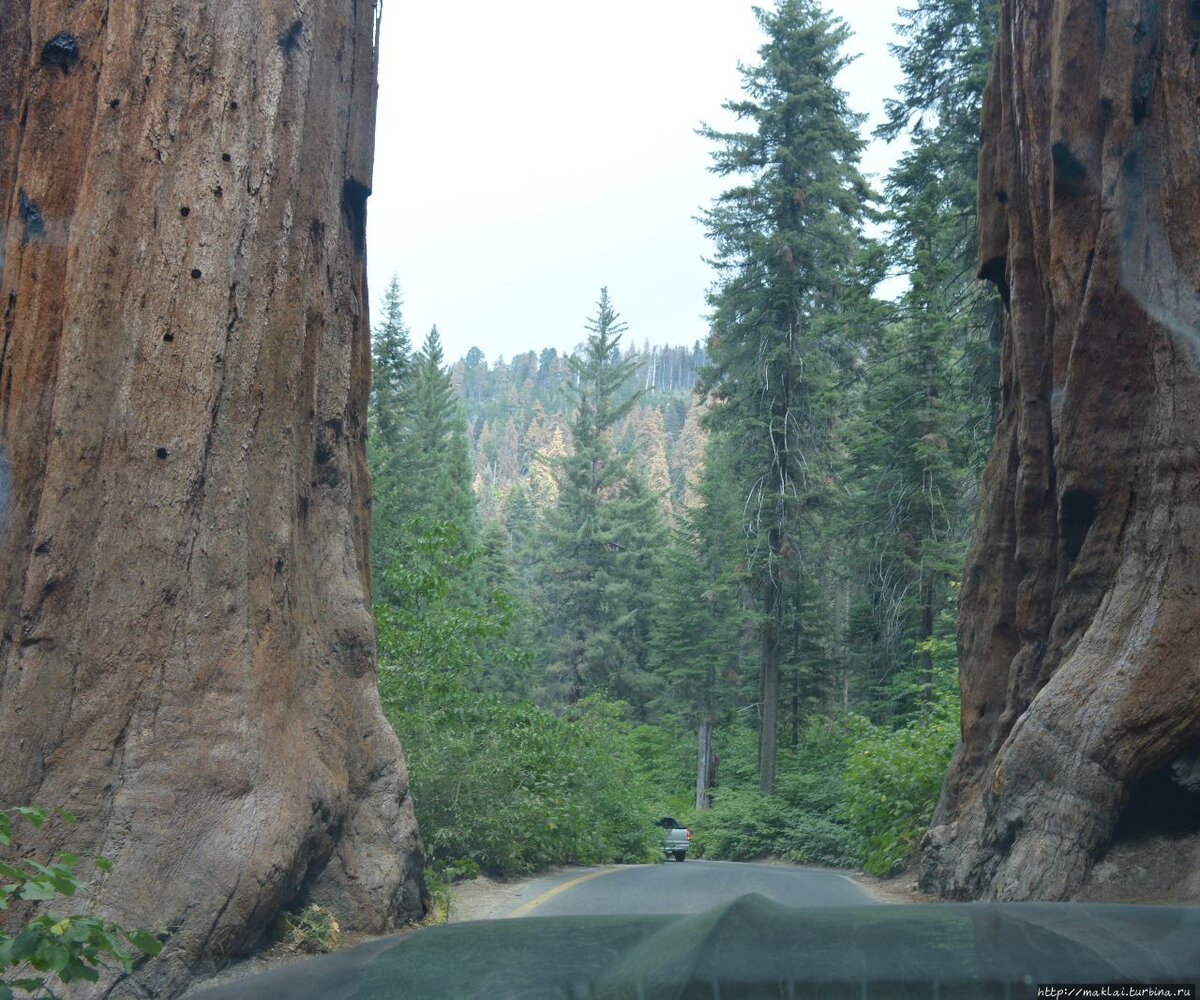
(994, 271)
(1002, 196)
(218, 191)
(62, 51)
(196, 273)
(289, 41)
(115, 103)
(168, 337)
(49, 587)
(160, 453)
(32, 221)
(1069, 173)
(1143, 88)
(1075, 518)
(42, 547)
(354, 205)
(329, 435)
(233, 105)
(225, 157)
(185, 211)
(1165, 802)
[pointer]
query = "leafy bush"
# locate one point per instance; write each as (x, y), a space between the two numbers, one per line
(313, 930)
(803, 822)
(893, 779)
(513, 788)
(502, 784)
(70, 948)
(743, 825)
(439, 881)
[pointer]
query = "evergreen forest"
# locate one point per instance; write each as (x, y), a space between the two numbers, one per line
(715, 581)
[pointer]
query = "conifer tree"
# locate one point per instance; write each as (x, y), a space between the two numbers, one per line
(928, 400)
(787, 237)
(650, 447)
(423, 479)
(597, 571)
(391, 362)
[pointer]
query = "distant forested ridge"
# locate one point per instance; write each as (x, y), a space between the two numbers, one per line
(519, 409)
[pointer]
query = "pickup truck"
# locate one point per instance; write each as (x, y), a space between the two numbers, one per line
(676, 838)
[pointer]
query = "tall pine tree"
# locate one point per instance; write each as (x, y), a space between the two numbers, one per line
(786, 237)
(601, 535)
(391, 362)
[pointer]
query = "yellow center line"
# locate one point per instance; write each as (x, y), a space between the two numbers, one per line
(537, 901)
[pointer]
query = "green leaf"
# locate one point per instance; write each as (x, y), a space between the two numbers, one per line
(34, 815)
(37, 890)
(144, 941)
(103, 864)
(76, 970)
(25, 944)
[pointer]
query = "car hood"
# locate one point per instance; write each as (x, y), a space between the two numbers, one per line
(754, 947)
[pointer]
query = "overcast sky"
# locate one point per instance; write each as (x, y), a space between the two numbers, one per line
(530, 152)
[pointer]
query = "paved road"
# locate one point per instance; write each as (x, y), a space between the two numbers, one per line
(691, 887)
(605, 894)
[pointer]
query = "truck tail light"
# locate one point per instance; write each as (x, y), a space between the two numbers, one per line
(688, 833)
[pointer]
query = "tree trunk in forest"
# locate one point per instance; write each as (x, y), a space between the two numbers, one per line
(703, 763)
(1078, 616)
(187, 658)
(768, 703)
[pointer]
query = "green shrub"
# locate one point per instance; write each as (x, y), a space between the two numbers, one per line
(743, 825)
(513, 788)
(68, 948)
(502, 784)
(803, 822)
(314, 930)
(893, 779)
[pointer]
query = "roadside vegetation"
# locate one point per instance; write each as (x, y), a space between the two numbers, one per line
(717, 582)
(55, 948)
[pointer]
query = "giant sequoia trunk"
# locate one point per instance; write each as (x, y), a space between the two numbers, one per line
(187, 660)
(1078, 637)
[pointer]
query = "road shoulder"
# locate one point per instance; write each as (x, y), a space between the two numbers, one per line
(900, 888)
(485, 898)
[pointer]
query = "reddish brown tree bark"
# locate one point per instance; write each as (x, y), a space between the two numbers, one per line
(187, 652)
(1078, 633)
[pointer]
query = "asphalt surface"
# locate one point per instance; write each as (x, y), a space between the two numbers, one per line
(681, 888)
(598, 894)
